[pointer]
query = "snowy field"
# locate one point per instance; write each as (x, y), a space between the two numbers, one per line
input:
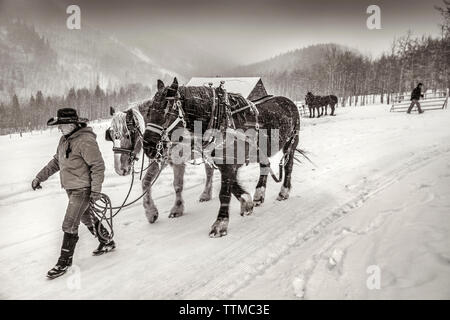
(377, 196)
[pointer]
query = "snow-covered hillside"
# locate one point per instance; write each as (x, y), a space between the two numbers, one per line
(378, 196)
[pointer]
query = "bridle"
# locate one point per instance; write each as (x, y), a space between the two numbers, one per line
(173, 103)
(135, 135)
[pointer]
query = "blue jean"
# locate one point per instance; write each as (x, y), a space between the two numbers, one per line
(78, 210)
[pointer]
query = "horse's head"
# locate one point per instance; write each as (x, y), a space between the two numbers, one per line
(126, 134)
(164, 116)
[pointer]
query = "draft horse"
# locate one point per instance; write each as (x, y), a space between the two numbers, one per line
(320, 103)
(314, 103)
(276, 120)
(330, 100)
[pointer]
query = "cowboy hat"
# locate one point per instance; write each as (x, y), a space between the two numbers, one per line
(66, 115)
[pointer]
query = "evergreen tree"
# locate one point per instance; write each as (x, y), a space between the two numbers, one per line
(16, 113)
(3, 116)
(71, 99)
(41, 108)
(32, 102)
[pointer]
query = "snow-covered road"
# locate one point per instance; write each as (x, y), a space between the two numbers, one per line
(378, 195)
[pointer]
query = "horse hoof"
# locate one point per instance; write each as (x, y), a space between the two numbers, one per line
(258, 198)
(284, 194)
(176, 211)
(204, 197)
(282, 197)
(257, 203)
(175, 214)
(219, 228)
(246, 204)
(153, 218)
(217, 234)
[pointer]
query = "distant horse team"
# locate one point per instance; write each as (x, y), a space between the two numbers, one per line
(320, 103)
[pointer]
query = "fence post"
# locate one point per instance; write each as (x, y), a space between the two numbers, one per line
(446, 100)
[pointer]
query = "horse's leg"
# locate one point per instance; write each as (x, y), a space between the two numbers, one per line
(206, 194)
(326, 109)
(151, 212)
(178, 179)
(228, 175)
(260, 192)
(332, 109)
(244, 197)
(286, 187)
(318, 112)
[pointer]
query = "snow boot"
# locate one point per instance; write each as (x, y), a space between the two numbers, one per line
(65, 259)
(106, 243)
(104, 247)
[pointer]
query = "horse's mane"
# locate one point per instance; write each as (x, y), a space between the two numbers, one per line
(119, 120)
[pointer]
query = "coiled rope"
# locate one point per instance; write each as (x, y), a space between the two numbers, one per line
(102, 208)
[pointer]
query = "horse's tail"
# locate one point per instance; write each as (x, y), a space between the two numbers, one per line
(303, 153)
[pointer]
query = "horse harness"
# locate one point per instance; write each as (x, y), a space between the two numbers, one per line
(220, 111)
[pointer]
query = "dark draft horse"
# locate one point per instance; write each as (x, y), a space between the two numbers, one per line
(320, 103)
(330, 100)
(276, 121)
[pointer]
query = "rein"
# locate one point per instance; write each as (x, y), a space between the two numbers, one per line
(104, 210)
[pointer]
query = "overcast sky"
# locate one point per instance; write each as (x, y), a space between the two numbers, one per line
(251, 30)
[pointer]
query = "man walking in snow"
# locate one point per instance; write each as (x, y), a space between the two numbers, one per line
(416, 94)
(81, 167)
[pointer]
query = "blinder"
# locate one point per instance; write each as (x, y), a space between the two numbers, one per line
(108, 136)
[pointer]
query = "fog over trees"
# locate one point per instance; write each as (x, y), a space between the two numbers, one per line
(37, 69)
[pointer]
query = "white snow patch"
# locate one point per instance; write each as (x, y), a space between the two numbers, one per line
(299, 286)
(335, 258)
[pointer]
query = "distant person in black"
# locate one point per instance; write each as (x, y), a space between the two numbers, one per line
(416, 94)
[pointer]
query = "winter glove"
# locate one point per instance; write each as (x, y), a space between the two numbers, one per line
(95, 196)
(36, 184)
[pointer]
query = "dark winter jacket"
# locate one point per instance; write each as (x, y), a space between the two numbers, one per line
(79, 161)
(416, 93)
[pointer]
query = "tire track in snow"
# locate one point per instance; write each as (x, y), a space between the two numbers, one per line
(239, 256)
(369, 190)
(391, 177)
